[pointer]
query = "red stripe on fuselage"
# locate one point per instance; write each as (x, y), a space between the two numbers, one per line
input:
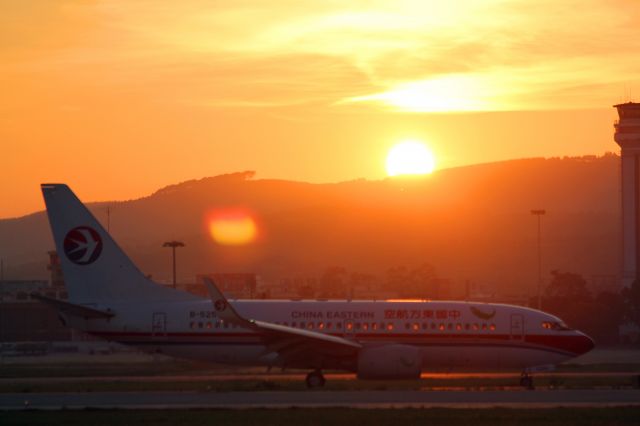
(571, 344)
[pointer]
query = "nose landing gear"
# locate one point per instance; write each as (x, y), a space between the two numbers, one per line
(526, 381)
(315, 379)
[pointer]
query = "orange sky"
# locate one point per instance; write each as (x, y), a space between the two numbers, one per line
(119, 98)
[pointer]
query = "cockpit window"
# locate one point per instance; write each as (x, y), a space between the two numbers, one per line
(555, 325)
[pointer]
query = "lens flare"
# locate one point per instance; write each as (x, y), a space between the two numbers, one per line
(232, 227)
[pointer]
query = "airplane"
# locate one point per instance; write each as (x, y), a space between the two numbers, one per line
(109, 297)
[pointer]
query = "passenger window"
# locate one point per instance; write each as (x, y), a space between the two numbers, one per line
(407, 325)
(365, 326)
(476, 327)
(374, 325)
(416, 326)
(458, 326)
(484, 326)
(357, 326)
(310, 326)
(441, 327)
(320, 326)
(492, 327)
(328, 325)
(390, 326)
(338, 325)
(209, 325)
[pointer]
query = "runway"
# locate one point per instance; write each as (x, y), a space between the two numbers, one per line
(301, 376)
(351, 399)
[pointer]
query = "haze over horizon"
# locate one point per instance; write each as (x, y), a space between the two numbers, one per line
(120, 99)
(470, 223)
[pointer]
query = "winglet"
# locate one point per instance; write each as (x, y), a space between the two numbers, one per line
(223, 308)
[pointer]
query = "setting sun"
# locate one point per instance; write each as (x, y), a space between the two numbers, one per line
(410, 158)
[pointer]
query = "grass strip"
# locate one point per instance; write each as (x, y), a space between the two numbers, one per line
(330, 416)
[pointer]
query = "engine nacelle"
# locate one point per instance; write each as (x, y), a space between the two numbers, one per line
(389, 362)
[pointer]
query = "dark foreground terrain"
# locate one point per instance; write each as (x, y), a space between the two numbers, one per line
(331, 416)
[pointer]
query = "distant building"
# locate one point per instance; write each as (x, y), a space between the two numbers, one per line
(19, 290)
(23, 319)
(233, 285)
(627, 135)
(57, 279)
(293, 287)
(30, 321)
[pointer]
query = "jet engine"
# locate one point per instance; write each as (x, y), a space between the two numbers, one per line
(389, 362)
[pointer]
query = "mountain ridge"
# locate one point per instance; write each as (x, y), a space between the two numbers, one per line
(470, 223)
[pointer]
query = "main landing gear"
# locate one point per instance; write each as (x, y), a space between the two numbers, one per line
(526, 381)
(315, 379)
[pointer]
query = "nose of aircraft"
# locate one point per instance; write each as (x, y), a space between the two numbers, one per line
(583, 344)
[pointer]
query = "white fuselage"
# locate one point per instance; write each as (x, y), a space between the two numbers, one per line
(450, 335)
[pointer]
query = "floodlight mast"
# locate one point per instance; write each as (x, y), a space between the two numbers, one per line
(539, 213)
(174, 244)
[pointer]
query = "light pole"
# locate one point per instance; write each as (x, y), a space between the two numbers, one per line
(173, 245)
(539, 213)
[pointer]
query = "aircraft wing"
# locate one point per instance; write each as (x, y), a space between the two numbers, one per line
(73, 309)
(291, 344)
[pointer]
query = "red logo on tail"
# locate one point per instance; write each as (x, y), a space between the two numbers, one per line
(82, 245)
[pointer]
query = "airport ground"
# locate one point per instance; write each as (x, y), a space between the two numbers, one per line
(332, 416)
(613, 368)
(130, 388)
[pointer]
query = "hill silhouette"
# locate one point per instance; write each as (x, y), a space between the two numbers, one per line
(471, 223)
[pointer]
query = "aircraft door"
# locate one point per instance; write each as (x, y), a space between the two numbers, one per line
(159, 324)
(517, 327)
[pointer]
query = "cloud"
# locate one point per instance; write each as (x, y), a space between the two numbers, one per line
(512, 54)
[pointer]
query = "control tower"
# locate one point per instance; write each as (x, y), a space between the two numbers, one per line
(627, 135)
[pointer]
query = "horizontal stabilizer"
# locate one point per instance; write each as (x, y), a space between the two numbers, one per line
(73, 309)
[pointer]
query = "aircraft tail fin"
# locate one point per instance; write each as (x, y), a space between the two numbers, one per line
(95, 269)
